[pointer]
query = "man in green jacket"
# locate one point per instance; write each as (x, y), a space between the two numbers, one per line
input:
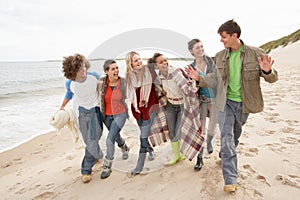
(237, 79)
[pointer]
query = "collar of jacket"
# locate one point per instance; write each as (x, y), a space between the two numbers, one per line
(227, 51)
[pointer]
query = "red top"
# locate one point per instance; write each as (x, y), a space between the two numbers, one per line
(113, 100)
(152, 105)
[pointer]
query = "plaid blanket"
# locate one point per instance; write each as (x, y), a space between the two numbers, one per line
(159, 132)
(192, 137)
(191, 133)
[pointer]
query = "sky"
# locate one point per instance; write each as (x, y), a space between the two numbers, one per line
(37, 30)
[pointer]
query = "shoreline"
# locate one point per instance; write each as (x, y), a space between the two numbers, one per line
(26, 140)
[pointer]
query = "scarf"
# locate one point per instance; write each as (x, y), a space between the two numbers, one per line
(145, 82)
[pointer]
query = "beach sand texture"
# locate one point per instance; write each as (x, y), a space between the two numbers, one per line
(48, 167)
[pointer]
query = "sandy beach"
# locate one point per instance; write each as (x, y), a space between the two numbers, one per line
(48, 166)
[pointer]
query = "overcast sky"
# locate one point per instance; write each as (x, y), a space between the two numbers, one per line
(50, 29)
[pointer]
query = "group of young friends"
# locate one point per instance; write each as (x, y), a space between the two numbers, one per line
(227, 88)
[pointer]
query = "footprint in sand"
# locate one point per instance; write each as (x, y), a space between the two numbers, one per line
(278, 99)
(67, 169)
(291, 180)
(38, 152)
(21, 191)
(14, 186)
(45, 157)
(45, 195)
(258, 176)
(270, 132)
(40, 171)
(274, 114)
(262, 179)
(291, 122)
(269, 108)
(48, 186)
(287, 130)
(70, 157)
(18, 160)
(5, 165)
(272, 104)
(272, 119)
(251, 152)
(257, 195)
(276, 147)
(18, 173)
(35, 187)
(290, 140)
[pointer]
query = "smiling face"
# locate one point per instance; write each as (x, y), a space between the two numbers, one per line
(112, 72)
(136, 62)
(162, 64)
(198, 50)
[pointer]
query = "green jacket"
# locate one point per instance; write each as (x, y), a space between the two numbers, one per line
(250, 79)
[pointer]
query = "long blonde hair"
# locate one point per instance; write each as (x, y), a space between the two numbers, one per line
(129, 69)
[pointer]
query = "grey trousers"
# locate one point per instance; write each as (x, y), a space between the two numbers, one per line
(230, 123)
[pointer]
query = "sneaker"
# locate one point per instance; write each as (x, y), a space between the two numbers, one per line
(85, 178)
(230, 188)
(125, 152)
(105, 173)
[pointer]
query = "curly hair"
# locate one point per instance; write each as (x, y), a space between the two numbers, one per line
(72, 64)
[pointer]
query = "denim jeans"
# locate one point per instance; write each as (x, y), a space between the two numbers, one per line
(174, 115)
(230, 123)
(114, 124)
(91, 126)
(145, 126)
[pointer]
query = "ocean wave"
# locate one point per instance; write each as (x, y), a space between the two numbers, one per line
(31, 92)
(23, 86)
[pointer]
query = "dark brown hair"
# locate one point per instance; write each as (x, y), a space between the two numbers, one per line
(107, 63)
(230, 27)
(152, 60)
(72, 64)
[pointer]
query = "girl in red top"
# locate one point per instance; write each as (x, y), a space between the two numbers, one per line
(112, 93)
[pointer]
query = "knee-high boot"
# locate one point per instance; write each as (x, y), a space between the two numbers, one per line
(177, 155)
(142, 157)
(140, 164)
(150, 150)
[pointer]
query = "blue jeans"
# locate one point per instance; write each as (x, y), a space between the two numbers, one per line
(91, 126)
(145, 126)
(174, 115)
(230, 123)
(114, 124)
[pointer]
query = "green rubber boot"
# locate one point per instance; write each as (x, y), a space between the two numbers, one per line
(177, 155)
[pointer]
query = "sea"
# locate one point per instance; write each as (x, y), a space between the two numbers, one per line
(31, 92)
